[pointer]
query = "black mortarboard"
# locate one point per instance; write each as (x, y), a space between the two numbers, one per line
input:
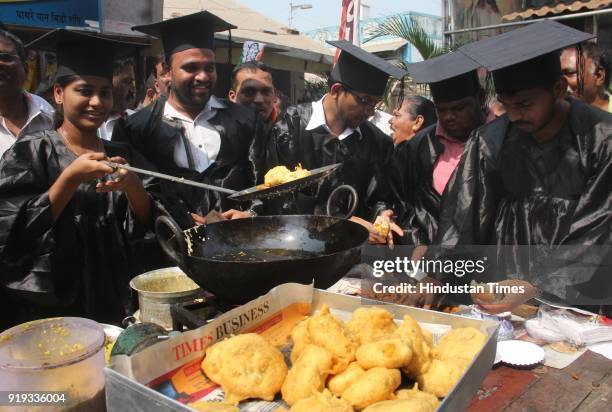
(363, 71)
(450, 77)
(527, 57)
(193, 31)
(83, 54)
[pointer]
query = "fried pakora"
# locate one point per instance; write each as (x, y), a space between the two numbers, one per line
(415, 393)
(401, 405)
(441, 377)
(462, 343)
(370, 323)
(375, 385)
(208, 406)
(388, 352)
(326, 331)
(321, 402)
(307, 375)
(246, 366)
(281, 174)
(337, 384)
(421, 357)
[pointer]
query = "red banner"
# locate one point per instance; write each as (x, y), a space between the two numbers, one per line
(347, 24)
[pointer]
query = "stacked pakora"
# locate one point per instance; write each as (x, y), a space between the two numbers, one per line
(340, 367)
(281, 174)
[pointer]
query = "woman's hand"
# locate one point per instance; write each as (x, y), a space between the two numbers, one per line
(87, 167)
(124, 181)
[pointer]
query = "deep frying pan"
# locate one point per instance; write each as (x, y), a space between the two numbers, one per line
(239, 260)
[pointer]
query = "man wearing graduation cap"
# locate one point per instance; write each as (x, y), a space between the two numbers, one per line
(336, 129)
(423, 166)
(536, 182)
(192, 133)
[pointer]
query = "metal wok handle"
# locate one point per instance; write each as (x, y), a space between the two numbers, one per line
(354, 199)
(165, 229)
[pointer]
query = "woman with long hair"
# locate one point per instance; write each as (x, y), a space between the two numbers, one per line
(68, 221)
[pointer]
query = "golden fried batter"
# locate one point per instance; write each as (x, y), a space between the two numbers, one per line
(415, 393)
(281, 174)
(337, 384)
(421, 357)
(246, 366)
(326, 331)
(401, 405)
(307, 375)
(207, 406)
(375, 385)
(300, 338)
(462, 343)
(387, 352)
(441, 377)
(370, 323)
(321, 402)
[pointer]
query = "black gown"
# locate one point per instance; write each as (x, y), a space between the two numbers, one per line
(237, 165)
(546, 208)
(416, 201)
(81, 264)
(365, 159)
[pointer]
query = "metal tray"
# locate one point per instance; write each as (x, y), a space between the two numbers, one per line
(124, 394)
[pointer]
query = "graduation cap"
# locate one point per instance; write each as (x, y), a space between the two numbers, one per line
(193, 31)
(450, 77)
(83, 54)
(525, 58)
(363, 71)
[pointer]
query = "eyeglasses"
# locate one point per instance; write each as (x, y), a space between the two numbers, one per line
(367, 101)
(8, 57)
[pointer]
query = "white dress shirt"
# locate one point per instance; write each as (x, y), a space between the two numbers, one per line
(203, 139)
(105, 131)
(318, 120)
(40, 117)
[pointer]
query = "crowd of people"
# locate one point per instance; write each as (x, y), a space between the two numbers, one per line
(529, 176)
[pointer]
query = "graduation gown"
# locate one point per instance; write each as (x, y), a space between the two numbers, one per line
(547, 208)
(236, 166)
(365, 162)
(79, 265)
(416, 201)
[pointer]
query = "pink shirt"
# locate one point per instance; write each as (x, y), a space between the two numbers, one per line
(449, 159)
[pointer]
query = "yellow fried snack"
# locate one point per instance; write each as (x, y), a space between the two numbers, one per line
(337, 384)
(375, 385)
(281, 174)
(382, 225)
(370, 323)
(300, 338)
(464, 343)
(326, 331)
(208, 406)
(387, 352)
(401, 405)
(415, 393)
(421, 357)
(441, 377)
(307, 375)
(246, 366)
(321, 402)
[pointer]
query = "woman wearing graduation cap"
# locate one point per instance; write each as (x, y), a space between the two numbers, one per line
(67, 219)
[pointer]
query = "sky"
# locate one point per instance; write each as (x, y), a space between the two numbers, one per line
(325, 13)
